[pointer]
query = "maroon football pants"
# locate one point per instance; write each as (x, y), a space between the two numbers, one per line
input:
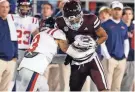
(93, 69)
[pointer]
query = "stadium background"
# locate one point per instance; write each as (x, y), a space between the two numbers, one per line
(90, 5)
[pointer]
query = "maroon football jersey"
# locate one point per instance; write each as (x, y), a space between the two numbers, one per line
(89, 26)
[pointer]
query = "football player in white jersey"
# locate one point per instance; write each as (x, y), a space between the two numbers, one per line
(40, 54)
(26, 26)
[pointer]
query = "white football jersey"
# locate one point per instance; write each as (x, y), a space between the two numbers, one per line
(44, 43)
(25, 27)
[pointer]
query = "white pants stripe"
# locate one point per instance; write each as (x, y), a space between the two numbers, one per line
(101, 71)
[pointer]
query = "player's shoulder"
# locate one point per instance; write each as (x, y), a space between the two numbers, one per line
(59, 34)
(13, 16)
(52, 31)
(16, 15)
(91, 19)
(90, 16)
(32, 19)
(60, 22)
(59, 18)
(55, 33)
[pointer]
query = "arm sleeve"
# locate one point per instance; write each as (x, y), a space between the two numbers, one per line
(97, 22)
(126, 47)
(104, 51)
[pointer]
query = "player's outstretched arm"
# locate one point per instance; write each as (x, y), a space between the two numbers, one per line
(72, 51)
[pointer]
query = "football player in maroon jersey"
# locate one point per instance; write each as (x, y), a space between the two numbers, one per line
(78, 28)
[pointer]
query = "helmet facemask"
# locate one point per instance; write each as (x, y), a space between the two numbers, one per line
(74, 22)
(24, 9)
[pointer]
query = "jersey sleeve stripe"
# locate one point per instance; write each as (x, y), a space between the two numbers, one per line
(97, 24)
(49, 31)
(96, 21)
(54, 31)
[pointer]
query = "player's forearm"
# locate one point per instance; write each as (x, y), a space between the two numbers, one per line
(72, 51)
(101, 40)
(102, 35)
(64, 49)
(63, 45)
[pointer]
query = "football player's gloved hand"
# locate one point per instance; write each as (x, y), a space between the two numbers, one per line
(84, 42)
